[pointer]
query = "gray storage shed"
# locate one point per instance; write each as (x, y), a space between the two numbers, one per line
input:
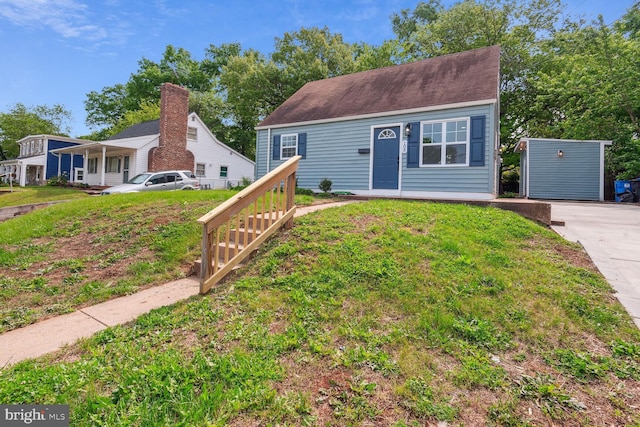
(561, 169)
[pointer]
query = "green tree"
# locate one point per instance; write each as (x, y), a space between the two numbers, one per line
(254, 85)
(589, 90)
(122, 105)
(108, 107)
(406, 23)
(518, 27)
(21, 121)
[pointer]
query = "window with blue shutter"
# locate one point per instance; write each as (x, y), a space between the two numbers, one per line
(276, 147)
(302, 145)
(476, 143)
(289, 145)
(413, 146)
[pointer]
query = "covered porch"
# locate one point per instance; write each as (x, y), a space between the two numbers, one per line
(26, 171)
(103, 164)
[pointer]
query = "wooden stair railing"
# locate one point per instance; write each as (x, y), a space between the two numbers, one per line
(237, 227)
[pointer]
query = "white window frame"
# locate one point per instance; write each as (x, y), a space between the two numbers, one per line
(387, 134)
(192, 133)
(201, 170)
(226, 171)
(92, 165)
(288, 136)
(443, 145)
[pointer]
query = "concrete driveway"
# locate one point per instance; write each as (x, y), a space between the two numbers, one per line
(610, 233)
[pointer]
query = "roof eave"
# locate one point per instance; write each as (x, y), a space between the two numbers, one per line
(382, 114)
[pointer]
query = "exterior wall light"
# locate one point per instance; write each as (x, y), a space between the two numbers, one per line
(560, 153)
(407, 130)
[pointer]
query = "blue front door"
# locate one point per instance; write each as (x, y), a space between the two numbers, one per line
(386, 157)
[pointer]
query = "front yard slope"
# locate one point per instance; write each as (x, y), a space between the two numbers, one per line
(82, 252)
(376, 313)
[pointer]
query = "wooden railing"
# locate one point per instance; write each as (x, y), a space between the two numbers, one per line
(237, 227)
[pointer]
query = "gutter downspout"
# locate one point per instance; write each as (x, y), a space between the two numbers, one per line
(601, 191)
(526, 181)
(268, 150)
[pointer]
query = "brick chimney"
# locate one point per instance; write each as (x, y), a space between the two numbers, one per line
(172, 152)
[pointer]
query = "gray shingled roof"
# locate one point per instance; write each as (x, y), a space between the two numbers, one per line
(461, 77)
(151, 127)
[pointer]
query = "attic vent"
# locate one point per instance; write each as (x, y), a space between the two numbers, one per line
(387, 134)
(192, 133)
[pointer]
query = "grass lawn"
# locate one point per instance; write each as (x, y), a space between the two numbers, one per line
(377, 313)
(30, 195)
(82, 252)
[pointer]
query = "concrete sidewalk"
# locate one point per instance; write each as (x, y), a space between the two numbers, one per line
(610, 233)
(53, 334)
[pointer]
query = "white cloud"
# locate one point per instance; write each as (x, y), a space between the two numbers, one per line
(69, 18)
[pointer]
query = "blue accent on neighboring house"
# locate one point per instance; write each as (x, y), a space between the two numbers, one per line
(52, 160)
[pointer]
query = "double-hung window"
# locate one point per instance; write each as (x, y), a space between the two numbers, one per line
(112, 165)
(92, 165)
(445, 143)
(288, 146)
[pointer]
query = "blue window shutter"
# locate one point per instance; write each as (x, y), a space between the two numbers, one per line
(413, 146)
(276, 147)
(302, 145)
(476, 157)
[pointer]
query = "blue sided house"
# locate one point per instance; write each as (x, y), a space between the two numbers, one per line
(427, 129)
(37, 163)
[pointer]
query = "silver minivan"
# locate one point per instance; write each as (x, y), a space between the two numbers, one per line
(156, 181)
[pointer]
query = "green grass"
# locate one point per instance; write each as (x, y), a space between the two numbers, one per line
(377, 313)
(82, 252)
(41, 194)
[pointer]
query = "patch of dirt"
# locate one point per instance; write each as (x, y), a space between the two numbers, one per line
(576, 257)
(78, 270)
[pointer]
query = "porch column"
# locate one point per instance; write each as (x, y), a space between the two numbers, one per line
(72, 177)
(59, 164)
(104, 165)
(23, 174)
(85, 165)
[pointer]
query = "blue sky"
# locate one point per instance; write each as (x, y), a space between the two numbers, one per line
(56, 51)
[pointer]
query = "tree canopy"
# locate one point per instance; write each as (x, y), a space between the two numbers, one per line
(560, 78)
(21, 121)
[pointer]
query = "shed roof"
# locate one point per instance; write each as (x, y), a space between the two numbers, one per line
(524, 142)
(451, 79)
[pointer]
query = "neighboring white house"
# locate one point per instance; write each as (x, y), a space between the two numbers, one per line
(125, 155)
(176, 141)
